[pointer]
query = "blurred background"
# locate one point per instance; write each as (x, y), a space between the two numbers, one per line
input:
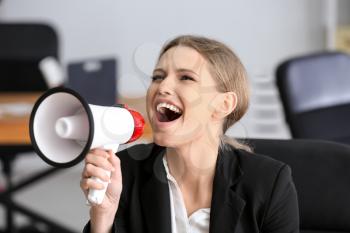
(120, 40)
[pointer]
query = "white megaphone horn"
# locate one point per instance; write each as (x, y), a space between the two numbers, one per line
(64, 127)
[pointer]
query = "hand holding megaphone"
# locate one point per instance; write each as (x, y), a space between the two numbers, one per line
(64, 128)
(97, 162)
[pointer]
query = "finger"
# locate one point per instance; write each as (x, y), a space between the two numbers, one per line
(99, 162)
(83, 184)
(89, 183)
(99, 152)
(91, 170)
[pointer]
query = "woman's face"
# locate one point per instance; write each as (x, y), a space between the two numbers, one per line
(180, 98)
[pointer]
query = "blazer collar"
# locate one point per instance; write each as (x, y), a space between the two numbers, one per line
(155, 199)
(226, 205)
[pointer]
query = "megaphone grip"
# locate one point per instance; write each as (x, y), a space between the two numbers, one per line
(96, 196)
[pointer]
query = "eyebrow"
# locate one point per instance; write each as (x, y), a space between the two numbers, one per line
(178, 70)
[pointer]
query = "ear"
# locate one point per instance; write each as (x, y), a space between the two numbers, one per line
(224, 104)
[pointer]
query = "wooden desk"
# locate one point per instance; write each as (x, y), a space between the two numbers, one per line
(14, 129)
(14, 138)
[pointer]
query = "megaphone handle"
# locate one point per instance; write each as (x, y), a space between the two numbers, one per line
(113, 147)
(96, 196)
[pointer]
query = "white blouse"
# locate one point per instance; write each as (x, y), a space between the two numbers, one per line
(198, 222)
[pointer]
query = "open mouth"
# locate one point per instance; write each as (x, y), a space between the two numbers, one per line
(168, 112)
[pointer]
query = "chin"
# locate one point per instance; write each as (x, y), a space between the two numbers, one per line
(165, 140)
(177, 140)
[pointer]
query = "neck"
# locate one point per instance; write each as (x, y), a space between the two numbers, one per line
(193, 164)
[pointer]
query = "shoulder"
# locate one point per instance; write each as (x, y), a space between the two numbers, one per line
(261, 175)
(269, 188)
(253, 163)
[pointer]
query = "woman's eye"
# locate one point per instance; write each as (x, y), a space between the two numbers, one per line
(157, 77)
(186, 77)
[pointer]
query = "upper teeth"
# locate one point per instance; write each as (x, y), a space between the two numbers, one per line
(169, 106)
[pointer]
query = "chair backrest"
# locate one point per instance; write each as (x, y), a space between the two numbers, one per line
(315, 93)
(22, 47)
(321, 174)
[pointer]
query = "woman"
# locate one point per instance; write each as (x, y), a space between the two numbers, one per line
(193, 178)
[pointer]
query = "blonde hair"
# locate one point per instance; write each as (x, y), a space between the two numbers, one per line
(228, 72)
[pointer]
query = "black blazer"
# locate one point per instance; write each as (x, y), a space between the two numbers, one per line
(251, 193)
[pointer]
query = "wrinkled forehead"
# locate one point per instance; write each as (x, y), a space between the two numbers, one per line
(181, 57)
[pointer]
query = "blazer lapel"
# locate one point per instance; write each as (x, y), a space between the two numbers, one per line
(155, 198)
(226, 205)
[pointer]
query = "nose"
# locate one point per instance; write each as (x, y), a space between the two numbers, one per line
(167, 86)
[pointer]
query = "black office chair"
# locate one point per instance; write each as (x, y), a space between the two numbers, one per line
(22, 47)
(321, 174)
(315, 93)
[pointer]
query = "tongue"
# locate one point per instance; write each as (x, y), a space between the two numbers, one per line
(167, 115)
(163, 118)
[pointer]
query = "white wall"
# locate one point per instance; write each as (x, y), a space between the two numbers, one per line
(262, 33)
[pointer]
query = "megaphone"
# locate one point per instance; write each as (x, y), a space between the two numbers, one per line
(64, 127)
